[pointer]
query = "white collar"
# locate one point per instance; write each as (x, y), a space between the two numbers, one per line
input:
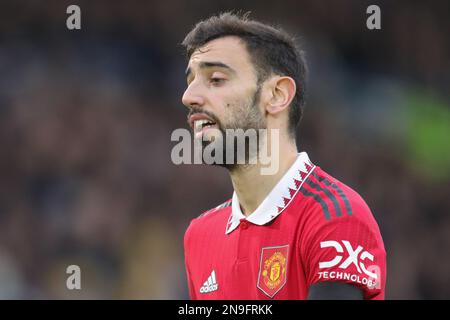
(278, 199)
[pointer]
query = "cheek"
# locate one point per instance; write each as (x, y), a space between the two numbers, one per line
(232, 109)
(236, 107)
(235, 114)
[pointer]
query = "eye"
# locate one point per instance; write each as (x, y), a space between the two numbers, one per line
(216, 81)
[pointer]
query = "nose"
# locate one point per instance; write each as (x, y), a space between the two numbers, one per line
(192, 96)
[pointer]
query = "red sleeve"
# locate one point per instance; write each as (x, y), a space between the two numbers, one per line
(345, 249)
(192, 295)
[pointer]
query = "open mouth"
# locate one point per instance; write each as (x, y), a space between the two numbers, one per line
(202, 125)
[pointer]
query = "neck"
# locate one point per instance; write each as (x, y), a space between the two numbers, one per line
(252, 187)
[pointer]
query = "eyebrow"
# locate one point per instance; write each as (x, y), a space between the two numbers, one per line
(206, 65)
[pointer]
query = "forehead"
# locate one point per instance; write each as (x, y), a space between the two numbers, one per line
(228, 50)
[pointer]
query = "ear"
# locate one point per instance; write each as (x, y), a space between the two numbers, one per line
(281, 93)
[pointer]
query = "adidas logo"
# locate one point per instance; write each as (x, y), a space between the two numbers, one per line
(210, 285)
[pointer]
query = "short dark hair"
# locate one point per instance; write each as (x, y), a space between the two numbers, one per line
(271, 49)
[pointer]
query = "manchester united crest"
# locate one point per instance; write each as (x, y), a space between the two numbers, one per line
(272, 269)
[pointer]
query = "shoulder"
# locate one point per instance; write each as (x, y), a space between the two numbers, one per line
(218, 209)
(330, 201)
(334, 211)
(340, 240)
(210, 220)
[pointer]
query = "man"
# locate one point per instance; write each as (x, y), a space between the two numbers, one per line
(297, 233)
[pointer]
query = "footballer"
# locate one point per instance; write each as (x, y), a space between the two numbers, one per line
(298, 233)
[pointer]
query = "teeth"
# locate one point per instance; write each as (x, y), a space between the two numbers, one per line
(198, 124)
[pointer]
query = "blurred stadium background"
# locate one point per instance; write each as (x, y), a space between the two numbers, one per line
(86, 118)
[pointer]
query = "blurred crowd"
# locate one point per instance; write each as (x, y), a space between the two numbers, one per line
(86, 117)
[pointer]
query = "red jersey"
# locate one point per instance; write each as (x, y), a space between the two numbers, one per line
(311, 228)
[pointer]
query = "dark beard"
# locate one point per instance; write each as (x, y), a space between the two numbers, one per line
(231, 155)
(253, 121)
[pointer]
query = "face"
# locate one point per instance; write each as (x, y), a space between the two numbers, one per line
(222, 91)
